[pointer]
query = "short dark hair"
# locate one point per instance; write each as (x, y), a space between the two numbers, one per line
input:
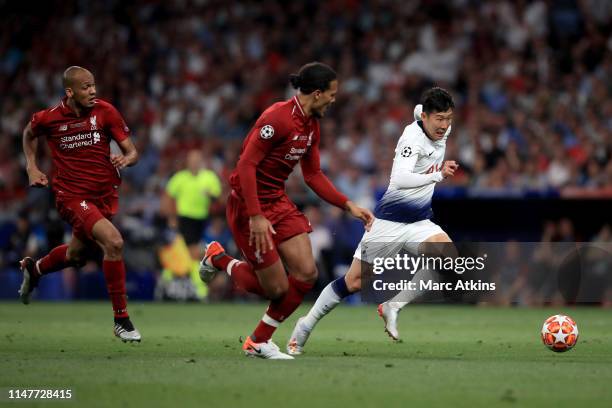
(437, 100)
(313, 76)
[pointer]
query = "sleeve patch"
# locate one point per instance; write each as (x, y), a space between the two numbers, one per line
(266, 132)
(406, 151)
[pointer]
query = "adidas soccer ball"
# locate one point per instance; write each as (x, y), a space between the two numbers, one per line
(559, 333)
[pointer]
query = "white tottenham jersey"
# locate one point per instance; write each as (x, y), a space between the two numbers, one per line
(416, 170)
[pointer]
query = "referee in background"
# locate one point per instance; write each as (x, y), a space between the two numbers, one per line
(189, 194)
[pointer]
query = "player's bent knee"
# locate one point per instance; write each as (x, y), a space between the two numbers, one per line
(307, 272)
(76, 258)
(113, 246)
(353, 283)
(310, 275)
(275, 292)
(438, 245)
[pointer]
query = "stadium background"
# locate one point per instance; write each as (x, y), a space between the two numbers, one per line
(533, 127)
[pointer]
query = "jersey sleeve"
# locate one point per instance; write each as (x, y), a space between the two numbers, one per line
(37, 123)
(174, 185)
(115, 124)
(407, 151)
(213, 184)
(316, 180)
(269, 131)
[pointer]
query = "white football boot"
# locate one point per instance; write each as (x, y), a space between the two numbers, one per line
(298, 339)
(389, 313)
(127, 332)
(267, 350)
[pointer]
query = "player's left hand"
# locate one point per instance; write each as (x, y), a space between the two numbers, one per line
(363, 214)
(449, 167)
(119, 161)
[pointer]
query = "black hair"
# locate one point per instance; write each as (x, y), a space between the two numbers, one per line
(313, 76)
(437, 100)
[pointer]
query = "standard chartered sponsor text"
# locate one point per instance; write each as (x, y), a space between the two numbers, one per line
(78, 140)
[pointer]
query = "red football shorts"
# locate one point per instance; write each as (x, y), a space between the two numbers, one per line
(285, 217)
(82, 214)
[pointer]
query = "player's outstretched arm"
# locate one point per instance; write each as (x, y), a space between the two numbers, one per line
(320, 184)
(317, 181)
(129, 156)
(361, 213)
(405, 178)
(30, 146)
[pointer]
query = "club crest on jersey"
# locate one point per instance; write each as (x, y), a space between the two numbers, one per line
(406, 151)
(92, 121)
(84, 205)
(266, 132)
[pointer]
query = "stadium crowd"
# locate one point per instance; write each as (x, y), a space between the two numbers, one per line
(532, 82)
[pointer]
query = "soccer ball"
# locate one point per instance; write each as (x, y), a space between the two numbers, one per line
(559, 333)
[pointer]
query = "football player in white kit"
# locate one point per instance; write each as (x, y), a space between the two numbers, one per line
(402, 214)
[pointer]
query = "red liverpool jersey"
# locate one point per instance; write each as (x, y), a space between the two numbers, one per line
(80, 147)
(282, 136)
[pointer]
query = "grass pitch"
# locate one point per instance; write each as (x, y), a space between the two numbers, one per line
(190, 356)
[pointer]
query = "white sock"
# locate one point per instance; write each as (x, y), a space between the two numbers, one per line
(231, 265)
(326, 302)
(408, 296)
(270, 321)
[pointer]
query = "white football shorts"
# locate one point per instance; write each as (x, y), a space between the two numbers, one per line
(388, 238)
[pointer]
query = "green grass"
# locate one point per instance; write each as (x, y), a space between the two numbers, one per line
(190, 356)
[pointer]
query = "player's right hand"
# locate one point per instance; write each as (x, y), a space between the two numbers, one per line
(260, 229)
(361, 213)
(448, 168)
(37, 178)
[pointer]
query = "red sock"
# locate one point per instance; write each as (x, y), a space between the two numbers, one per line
(244, 277)
(54, 260)
(114, 273)
(221, 261)
(242, 274)
(280, 309)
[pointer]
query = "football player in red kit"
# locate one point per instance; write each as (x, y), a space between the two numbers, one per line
(267, 227)
(85, 181)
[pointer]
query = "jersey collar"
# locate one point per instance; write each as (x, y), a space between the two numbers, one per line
(298, 108)
(67, 110)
